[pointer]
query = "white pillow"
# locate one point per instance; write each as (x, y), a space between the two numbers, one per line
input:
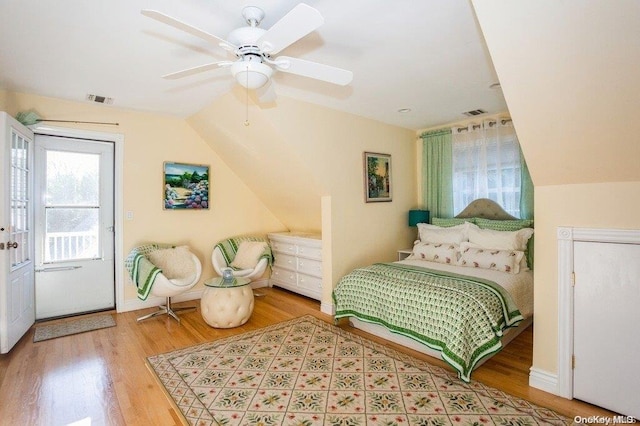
(248, 254)
(435, 234)
(503, 240)
(435, 252)
(495, 259)
(175, 262)
(523, 262)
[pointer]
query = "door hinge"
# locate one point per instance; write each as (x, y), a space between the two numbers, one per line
(1, 246)
(573, 362)
(573, 279)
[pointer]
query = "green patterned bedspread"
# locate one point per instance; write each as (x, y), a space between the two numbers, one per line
(462, 317)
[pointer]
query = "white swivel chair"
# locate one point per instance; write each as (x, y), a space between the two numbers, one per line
(224, 254)
(170, 271)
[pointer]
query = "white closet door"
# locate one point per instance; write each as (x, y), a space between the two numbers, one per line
(607, 326)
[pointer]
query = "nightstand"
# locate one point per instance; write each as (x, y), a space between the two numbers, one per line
(404, 253)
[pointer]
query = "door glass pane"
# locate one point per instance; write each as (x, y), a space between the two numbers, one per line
(72, 206)
(20, 202)
(71, 233)
(72, 179)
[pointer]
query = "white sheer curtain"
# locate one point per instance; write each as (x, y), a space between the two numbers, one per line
(486, 164)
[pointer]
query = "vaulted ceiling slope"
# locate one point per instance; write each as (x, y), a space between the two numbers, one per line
(264, 159)
(570, 73)
(293, 155)
(428, 56)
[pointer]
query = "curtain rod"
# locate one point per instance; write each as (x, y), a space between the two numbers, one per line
(445, 129)
(39, 120)
(502, 121)
(490, 122)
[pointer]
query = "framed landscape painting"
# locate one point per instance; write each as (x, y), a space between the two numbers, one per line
(377, 177)
(186, 186)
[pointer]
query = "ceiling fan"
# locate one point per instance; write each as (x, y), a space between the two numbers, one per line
(254, 48)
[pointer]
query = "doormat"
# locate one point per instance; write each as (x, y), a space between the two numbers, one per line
(308, 372)
(80, 325)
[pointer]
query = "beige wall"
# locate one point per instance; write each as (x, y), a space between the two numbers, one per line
(3, 96)
(333, 150)
(149, 140)
(331, 146)
(269, 176)
(598, 205)
(569, 75)
(264, 158)
(296, 153)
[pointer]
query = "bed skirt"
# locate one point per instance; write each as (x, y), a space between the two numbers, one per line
(384, 333)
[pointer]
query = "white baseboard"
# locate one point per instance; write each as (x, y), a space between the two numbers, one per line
(543, 380)
(135, 304)
(327, 308)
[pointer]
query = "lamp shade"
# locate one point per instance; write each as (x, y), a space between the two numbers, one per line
(418, 216)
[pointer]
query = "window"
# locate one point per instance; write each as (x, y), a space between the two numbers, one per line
(486, 164)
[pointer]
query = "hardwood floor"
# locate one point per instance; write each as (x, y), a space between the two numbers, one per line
(100, 377)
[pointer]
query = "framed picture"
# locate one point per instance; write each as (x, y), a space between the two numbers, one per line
(186, 186)
(377, 177)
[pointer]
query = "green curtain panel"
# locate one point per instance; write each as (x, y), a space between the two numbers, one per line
(437, 175)
(526, 190)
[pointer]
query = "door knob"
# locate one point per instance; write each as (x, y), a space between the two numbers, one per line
(12, 245)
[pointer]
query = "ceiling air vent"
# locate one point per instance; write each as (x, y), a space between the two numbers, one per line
(99, 99)
(474, 112)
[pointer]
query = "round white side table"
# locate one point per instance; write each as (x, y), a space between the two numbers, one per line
(226, 305)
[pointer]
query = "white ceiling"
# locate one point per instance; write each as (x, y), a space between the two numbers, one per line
(426, 55)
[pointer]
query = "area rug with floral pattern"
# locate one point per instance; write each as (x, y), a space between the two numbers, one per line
(308, 372)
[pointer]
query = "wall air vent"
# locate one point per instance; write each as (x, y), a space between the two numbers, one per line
(99, 99)
(474, 112)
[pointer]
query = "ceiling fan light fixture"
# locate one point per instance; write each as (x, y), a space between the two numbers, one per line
(251, 74)
(253, 47)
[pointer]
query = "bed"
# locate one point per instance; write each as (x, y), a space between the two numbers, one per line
(464, 293)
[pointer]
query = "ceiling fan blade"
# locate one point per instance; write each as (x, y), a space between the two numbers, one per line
(299, 22)
(195, 70)
(166, 19)
(266, 94)
(314, 70)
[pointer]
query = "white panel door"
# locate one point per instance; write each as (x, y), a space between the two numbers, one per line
(606, 325)
(17, 312)
(74, 230)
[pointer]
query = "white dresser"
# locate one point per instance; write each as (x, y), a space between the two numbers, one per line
(298, 262)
